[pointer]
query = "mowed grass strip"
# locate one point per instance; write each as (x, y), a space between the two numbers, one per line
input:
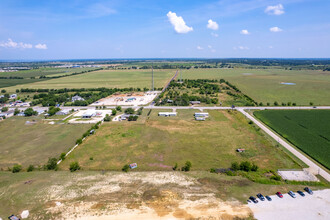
(264, 85)
(34, 143)
(309, 130)
(106, 78)
(157, 143)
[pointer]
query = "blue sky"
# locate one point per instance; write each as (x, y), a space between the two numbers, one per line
(77, 29)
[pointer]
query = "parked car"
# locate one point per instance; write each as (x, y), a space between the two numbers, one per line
(301, 193)
(308, 190)
(279, 194)
(268, 198)
(292, 194)
(253, 199)
(261, 197)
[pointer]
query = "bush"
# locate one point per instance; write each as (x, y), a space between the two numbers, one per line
(139, 112)
(276, 103)
(212, 170)
(62, 156)
(79, 141)
(118, 108)
(245, 166)
(230, 173)
(51, 164)
(114, 112)
(125, 168)
(16, 111)
(4, 109)
(52, 110)
(30, 112)
(30, 168)
(187, 166)
(175, 166)
(74, 166)
(250, 122)
(235, 166)
(16, 168)
(91, 158)
(254, 168)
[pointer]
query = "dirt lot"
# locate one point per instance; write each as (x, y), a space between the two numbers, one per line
(314, 206)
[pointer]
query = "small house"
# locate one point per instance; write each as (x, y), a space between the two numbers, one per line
(7, 114)
(77, 98)
(63, 112)
(13, 96)
(167, 114)
(89, 114)
(201, 114)
(195, 102)
(200, 118)
(21, 114)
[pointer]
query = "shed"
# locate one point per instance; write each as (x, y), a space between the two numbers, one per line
(200, 118)
(195, 102)
(201, 114)
(167, 114)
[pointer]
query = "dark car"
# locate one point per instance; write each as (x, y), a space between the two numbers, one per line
(279, 194)
(253, 199)
(268, 198)
(261, 197)
(301, 193)
(308, 190)
(292, 194)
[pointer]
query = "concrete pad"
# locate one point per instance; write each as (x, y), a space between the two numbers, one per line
(297, 175)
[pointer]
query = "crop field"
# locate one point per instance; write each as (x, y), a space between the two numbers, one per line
(309, 130)
(35, 74)
(33, 143)
(264, 85)
(157, 143)
(106, 78)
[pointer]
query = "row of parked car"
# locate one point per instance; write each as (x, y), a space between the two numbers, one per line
(280, 195)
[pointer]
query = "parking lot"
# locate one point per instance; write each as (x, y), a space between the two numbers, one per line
(316, 206)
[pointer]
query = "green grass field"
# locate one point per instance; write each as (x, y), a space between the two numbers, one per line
(157, 143)
(105, 78)
(309, 130)
(26, 144)
(27, 74)
(264, 85)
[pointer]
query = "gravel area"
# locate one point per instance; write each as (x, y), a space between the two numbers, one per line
(316, 206)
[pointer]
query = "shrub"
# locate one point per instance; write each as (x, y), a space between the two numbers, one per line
(125, 168)
(212, 170)
(62, 156)
(4, 109)
(16, 168)
(254, 167)
(114, 112)
(311, 103)
(51, 164)
(30, 112)
(107, 117)
(276, 103)
(91, 158)
(118, 108)
(139, 112)
(245, 166)
(230, 173)
(175, 166)
(129, 111)
(74, 166)
(30, 168)
(79, 141)
(276, 177)
(16, 111)
(235, 166)
(187, 166)
(250, 122)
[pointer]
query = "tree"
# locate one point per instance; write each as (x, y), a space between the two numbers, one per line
(187, 166)
(51, 164)
(129, 111)
(114, 112)
(294, 104)
(245, 166)
(74, 166)
(254, 167)
(3, 91)
(30, 168)
(4, 109)
(79, 141)
(107, 118)
(16, 111)
(62, 156)
(118, 108)
(125, 168)
(16, 168)
(30, 112)
(52, 110)
(311, 103)
(276, 103)
(175, 166)
(235, 166)
(139, 112)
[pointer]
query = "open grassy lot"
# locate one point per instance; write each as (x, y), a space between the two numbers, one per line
(157, 143)
(31, 76)
(106, 78)
(113, 195)
(34, 143)
(265, 85)
(309, 130)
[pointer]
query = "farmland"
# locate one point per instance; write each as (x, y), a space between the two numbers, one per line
(264, 85)
(157, 143)
(31, 141)
(309, 130)
(105, 78)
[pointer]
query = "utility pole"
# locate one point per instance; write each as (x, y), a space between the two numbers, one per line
(180, 75)
(152, 77)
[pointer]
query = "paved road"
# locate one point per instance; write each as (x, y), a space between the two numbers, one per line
(313, 168)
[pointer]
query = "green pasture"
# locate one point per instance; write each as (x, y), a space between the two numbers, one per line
(309, 130)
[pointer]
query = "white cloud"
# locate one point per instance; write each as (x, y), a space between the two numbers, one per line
(41, 46)
(271, 47)
(275, 9)
(178, 23)
(275, 29)
(245, 32)
(241, 48)
(209, 46)
(12, 44)
(200, 48)
(215, 34)
(212, 25)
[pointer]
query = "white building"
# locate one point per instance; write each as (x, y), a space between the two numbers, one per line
(77, 98)
(167, 114)
(13, 96)
(89, 114)
(200, 118)
(63, 112)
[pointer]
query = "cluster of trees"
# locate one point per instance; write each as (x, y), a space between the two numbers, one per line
(250, 101)
(187, 166)
(29, 112)
(72, 74)
(11, 77)
(88, 132)
(244, 166)
(52, 110)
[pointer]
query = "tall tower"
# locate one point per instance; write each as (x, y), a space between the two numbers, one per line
(152, 77)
